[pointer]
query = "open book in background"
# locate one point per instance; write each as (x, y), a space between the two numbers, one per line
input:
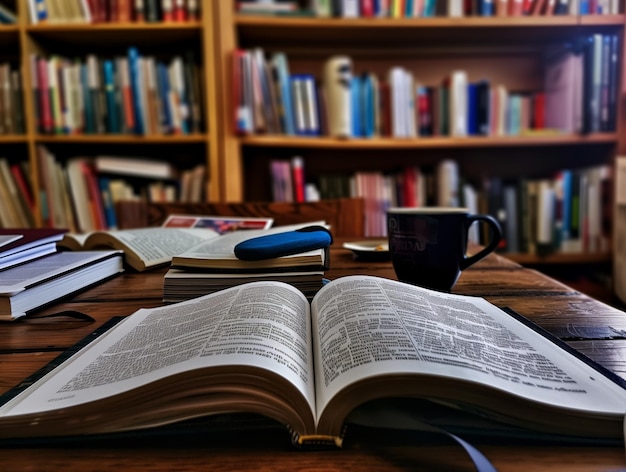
(261, 348)
(213, 265)
(144, 248)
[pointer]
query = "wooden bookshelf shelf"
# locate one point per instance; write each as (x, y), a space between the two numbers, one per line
(115, 34)
(13, 139)
(123, 139)
(427, 142)
(491, 30)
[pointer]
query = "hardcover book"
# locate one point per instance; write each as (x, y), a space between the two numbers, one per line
(261, 348)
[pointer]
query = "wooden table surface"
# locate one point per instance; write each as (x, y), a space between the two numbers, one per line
(593, 327)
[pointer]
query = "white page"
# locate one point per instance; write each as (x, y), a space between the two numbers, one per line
(444, 335)
(204, 337)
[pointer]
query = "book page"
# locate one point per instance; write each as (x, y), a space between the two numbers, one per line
(265, 324)
(368, 326)
(223, 247)
(156, 245)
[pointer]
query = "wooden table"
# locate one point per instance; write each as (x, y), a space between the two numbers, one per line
(587, 324)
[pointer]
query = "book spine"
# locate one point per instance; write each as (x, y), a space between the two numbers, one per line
(134, 68)
(109, 87)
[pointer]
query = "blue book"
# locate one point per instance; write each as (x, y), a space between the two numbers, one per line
(472, 109)
(486, 7)
(281, 68)
(136, 82)
(369, 107)
(566, 215)
(515, 112)
(163, 84)
(41, 10)
(356, 105)
(90, 122)
(109, 93)
(107, 202)
(430, 7)
(408, 8)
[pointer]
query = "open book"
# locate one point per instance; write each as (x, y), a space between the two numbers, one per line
(261, 348)
(145, 248)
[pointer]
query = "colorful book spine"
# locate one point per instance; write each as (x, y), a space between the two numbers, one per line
(136, 82)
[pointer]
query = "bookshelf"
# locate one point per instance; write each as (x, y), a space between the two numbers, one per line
(508, 50)
(75, 41)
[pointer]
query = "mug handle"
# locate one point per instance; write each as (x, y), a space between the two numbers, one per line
(496, 237)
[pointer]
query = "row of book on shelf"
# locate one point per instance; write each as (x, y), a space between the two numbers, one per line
(113, 11)
(125, 94)
(80, 193)
(427, 8)
(579, 96)
(11, 100)
(565, 212)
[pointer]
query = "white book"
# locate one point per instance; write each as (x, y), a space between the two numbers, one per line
(448, 183)
(455, 8)
(350, 8)
(29, 286)
(458, 103)
(399, 98)
(337, 80)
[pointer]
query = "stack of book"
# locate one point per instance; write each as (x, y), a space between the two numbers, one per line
(213, 266)
(33, 273)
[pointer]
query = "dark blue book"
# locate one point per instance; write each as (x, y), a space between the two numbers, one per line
(136, 82)
(112, 113)
(163, 86)
(90, 122)
(107, 202)
(369, 106)
(356, 102)
(483, 105)
(472, 109)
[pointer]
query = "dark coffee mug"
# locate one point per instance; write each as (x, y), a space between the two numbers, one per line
(428, 245)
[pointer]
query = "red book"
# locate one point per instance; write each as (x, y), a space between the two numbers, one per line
(22, 185)
(539, 111)
(367, 8)
(95, 198)
(297, 172)
(515, 7)
(124, 11)
(45, 110)
(180, 12)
